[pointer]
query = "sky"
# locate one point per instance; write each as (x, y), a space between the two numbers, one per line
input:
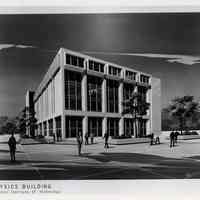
(162, 44)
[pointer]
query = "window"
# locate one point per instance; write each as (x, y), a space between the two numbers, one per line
(40, 129)
(112, 96)
(74, 60)
(58, 126)
(130, 75)
(94, 94)
(96, 66)
(50, 127)
(143, 93)
(129, 127)
(72, 90)
(114, 71)
(73, 126)
(45, 128)
(142, 128)
(95, 126)
(113, 126)
(144, 79)
(143, 100)
(127, 91)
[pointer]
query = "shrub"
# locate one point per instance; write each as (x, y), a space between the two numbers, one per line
(190, 133)
(24, 136)
(121, 137)
(39, 136)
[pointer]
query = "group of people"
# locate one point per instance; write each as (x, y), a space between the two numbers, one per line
(12, 141)
(173, 138)
(79, 139)
(87, 136)
(57, 136)
(154, 140)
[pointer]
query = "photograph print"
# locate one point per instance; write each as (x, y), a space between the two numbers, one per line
(99, 96)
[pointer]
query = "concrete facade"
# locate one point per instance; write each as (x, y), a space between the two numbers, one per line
(82, 93)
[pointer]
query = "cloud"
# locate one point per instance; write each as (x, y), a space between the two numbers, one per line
(171, 58)
(6, 46)
(24, 46)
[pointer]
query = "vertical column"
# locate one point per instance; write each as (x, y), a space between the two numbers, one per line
(47, 124)
(85, 126)
(104, 106)
(120, 96)
(42, 124)
(62, 61)
(104, 96)
(136, 123)
(84, 92)
(121, 126)
(121, 121)
(63, 126)
(63, 123)
(148, 127)
(54, 125)
(104, 126)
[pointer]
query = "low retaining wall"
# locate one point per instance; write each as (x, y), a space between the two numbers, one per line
(167, 133)
(5, 138)
(188, 137)
(129, 141)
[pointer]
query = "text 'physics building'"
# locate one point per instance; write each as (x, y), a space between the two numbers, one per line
(82, 93)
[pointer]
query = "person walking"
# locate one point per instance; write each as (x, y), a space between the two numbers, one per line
(106, 137)
(151, 137)
(12, 146)
(86, 138)
(92, 138)
(60, 135)
(79, 142)
(176, 137)
(172, 139)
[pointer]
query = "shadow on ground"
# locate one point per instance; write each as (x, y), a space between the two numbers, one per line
(129, 157)
(140, 166)
(7, 151)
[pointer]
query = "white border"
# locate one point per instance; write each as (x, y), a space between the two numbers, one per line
(115, 189)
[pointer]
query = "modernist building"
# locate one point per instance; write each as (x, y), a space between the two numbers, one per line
(83, 93)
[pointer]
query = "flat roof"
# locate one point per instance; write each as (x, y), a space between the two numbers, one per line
(53, 68)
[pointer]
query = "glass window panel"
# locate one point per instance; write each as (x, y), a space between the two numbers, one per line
(72, 90)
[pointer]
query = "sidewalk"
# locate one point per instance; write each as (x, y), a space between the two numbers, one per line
(55, 161)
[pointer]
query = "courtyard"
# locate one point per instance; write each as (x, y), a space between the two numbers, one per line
(134, 161)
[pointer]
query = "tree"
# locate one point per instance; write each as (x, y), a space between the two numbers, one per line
(21, 122)
(137, 107)
(183, 109)
(31, 120)
(9, 128)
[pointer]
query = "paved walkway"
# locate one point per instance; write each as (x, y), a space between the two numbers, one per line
(136, 161)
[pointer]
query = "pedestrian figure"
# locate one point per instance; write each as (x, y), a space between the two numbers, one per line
(60, 136)
(106, 137)
(176, 137)
(86, 139)
(12, 146)
(79, 142)
(92, 138)
(157, 140)
(172, 139)
(151, 137)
